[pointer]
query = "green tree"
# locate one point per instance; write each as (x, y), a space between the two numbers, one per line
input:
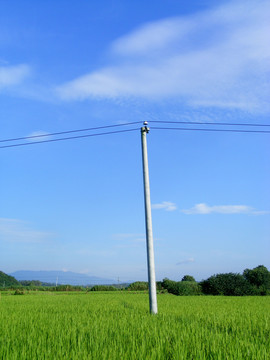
(169, 285)
(259, 277)
(188, 278)
(7, 280)
(103, 288)
(30, 282)
(138, 286)
(181, 287)
(188, 288)
(227, 284)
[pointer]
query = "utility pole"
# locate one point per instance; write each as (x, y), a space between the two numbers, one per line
(148, 225)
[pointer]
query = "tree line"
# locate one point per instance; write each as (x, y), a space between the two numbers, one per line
(251, 282)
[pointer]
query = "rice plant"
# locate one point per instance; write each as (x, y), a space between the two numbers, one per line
(118, 326)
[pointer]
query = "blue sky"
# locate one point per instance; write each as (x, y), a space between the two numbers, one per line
(78, 205)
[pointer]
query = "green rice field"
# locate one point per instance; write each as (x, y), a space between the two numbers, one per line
(93, 325)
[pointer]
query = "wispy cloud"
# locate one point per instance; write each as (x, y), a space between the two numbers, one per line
(124, 236)
(132, 240)
(223, 209)
(38, 136)
(165, 205)
(87, 251)
(217, 58)
(18, 231)
(13, 75)
(186, 261)
(129, 237)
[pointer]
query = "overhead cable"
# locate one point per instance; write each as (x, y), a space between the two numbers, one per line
(67, 138)
(69, 131)
(206, 123)
(218, 130)
(128, 130)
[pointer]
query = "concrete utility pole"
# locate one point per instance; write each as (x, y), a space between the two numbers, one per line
(148, 225)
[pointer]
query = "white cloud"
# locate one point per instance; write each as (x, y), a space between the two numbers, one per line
(129, 237)
(152, 36)
(38, 136)
(129, 240)
(165, 205)
(218, 58)
(86, 252)
(223, 209)
(186, 261)
(13, 75)
(126, 236)
(18, 231)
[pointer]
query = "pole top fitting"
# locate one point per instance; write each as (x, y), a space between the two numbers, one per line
(145, 128)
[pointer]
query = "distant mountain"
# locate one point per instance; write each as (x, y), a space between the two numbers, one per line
(7, 280)
(61, 277)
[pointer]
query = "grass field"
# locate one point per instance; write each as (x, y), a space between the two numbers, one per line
(118, 326)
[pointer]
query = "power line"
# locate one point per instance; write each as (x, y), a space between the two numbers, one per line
(67, 138)
(206, 123)
(69, 131)
(218, 130)
(130, 123)
(122, 131)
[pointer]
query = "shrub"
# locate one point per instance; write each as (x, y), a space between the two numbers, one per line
(138, 286)
(19, 292)
(188, 278)
(188, 288)
(259, 277)
(182, 287)
(66, 288)
(103, 288)
(227, 284)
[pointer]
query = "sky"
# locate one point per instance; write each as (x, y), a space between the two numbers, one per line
(78, 205)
